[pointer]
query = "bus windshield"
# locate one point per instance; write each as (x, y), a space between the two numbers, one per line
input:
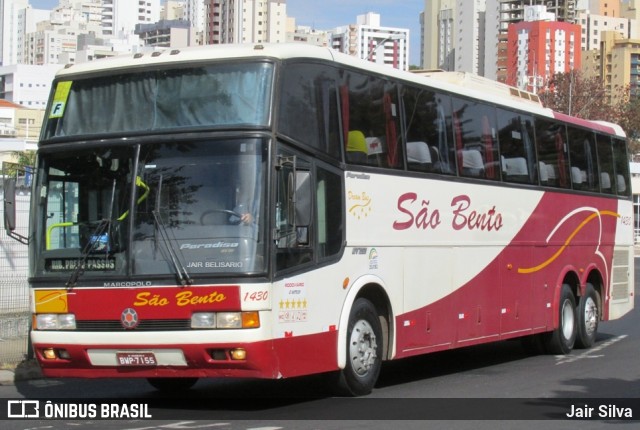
(218, 95)
(196, 209)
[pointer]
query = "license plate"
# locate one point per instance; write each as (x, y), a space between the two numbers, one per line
(136, 359)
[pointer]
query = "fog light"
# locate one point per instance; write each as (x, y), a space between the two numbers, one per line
(218, 354)
(64, 354)
(49, 353)
(238, 354)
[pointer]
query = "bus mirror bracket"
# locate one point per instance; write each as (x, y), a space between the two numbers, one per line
(10, 173)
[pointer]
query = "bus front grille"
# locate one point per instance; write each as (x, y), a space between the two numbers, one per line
(144, 325)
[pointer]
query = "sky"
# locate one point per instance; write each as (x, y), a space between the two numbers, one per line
(328, 14)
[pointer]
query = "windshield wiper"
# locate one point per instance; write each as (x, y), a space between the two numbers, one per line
(181, 271)
(94, 237)
(93, 241)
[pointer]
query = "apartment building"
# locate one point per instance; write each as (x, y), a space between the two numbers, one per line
(368, 40)
(593, 25)
(501, 14)
(539, 47)
(245, 21)
(27, 85)
(121, 16)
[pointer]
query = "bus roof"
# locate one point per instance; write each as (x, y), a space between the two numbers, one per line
(454, 82)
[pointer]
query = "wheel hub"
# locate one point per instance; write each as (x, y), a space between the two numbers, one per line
(363, 347)
(590, 316)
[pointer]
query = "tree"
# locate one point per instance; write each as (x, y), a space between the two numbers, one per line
(22, 159)
(630, 121)
(25, 158)
(574, 94)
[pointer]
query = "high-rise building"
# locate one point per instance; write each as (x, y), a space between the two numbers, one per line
(194, 12)
(368, 40)
(539, 47)
(593, 25)
(438, 35)
(454, 35)
(11, 26)
(119, 17)
(619, 65)
(470, 37)
(28, 20)
(506, 12)
(245, 21)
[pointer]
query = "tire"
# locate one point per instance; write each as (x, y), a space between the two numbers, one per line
(588, 311)
(561, 340)
(172, 384)
(364, 349)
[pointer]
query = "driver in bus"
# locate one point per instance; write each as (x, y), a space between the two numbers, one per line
(244, 196)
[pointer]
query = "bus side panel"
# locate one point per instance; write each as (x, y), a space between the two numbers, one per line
(514, 294)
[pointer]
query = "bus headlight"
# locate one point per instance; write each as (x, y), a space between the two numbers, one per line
(229, 320)
(203, 320)
(55, 322)
(225, 320)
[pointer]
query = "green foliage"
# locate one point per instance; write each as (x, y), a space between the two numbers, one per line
(24, 158)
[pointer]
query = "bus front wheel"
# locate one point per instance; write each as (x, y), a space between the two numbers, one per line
(364, 349)
(562, 339)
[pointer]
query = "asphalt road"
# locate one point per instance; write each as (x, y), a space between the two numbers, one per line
(484, 387)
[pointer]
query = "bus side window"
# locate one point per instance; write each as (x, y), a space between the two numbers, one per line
(517, 154)
(370, 107)
(476, 139)
(309, 107)
(605, 162)
(553, 159)
(428, 135)
(621, 165)
(584, 161)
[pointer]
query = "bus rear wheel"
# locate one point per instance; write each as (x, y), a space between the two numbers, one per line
(364, 349)
(168, 385)
(588, 318)
(562, 339)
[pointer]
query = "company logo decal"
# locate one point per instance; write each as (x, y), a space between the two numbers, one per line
(53, 301)
(373, 259)
(595, 215)
(360, 204)
(417, 214)
(129, 318)
(181, 299)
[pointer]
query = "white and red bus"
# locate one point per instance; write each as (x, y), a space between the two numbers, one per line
(276, 211)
